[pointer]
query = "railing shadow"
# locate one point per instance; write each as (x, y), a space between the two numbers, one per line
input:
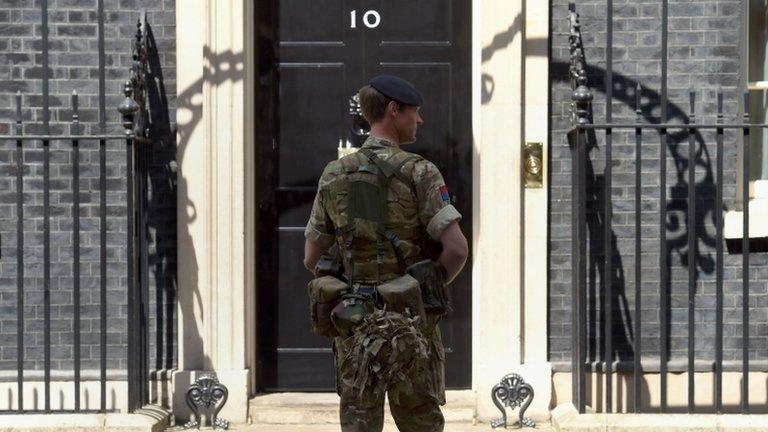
(677, 224)
(161, 218)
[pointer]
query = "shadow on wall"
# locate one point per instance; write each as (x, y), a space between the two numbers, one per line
(219, 68)
(500, 41)
(161, 223)
(677, 223)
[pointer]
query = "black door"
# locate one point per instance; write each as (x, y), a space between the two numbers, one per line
(313, 56)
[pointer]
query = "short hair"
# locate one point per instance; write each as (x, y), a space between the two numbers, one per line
(373, 103)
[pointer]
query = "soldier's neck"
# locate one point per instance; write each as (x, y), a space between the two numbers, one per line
(378, 131)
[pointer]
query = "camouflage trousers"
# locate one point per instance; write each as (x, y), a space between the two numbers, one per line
(416, 412)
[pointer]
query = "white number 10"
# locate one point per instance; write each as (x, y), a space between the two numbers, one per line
(371, 19)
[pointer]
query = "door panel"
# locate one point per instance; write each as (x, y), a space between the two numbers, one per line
(311, 62)
(312, 22)
(292, 304)
(430, 25)
(294, 204)
(311, 114)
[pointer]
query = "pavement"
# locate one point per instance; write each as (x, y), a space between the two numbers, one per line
(449, 427)
(319, 412)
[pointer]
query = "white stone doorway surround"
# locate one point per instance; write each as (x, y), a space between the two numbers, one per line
(216, 230)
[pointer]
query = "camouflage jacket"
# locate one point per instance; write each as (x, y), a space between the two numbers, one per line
(414, 211)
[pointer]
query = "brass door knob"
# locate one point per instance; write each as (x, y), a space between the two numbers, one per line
(533, 165)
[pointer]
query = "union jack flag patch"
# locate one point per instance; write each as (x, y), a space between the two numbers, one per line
(444, 194)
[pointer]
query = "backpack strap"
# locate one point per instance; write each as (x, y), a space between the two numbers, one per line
(402, 177)
(389, 170)
(386, 168)
(394, 241)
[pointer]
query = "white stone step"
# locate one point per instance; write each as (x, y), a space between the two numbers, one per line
(148, 419)
(323, 408)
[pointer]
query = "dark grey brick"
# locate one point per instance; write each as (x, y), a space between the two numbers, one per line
(76, 30)
(8, 30)
(85, 4)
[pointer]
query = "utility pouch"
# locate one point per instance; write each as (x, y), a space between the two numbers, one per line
(403, 293)
(330, 264)
(324, 294)
(434, 293)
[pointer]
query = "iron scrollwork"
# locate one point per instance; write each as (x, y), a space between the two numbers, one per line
(512, 392)
(209, 393)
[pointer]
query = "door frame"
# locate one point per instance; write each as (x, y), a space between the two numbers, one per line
(501, 340)
(229, 27)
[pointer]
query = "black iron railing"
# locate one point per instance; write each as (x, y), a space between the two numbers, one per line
(134, 113)
(581, 136)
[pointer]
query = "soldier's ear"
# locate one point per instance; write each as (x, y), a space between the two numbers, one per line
(393, 108)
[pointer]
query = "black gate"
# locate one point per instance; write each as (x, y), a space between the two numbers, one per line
(583, 136)
(130, 208)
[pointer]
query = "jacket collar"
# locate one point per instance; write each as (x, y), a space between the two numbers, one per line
(377, 142)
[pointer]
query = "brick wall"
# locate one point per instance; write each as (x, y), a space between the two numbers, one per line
(73, 66)
(704, 38)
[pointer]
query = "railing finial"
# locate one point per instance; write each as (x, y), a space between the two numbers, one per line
(134, 107)
(75, 114)
(128, 108)
(582, 95)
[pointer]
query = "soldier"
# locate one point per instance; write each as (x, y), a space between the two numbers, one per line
(375, 247)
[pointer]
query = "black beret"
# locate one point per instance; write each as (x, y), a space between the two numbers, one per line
(397, 89)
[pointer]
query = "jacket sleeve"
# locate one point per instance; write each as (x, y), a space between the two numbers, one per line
(435, 209)
(319, 227)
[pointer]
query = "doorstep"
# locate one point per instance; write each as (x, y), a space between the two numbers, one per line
(565, 418)
(323, 408)
(147, 419)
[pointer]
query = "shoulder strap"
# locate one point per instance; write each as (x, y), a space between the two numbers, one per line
(389, 169)
(386, 168)
(404, 178)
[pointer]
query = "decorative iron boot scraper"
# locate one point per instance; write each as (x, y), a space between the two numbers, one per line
(209, 393)
(512, 391)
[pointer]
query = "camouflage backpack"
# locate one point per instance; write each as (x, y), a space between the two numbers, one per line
(368, 185)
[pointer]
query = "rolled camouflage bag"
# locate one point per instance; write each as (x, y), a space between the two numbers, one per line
(386, 353)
